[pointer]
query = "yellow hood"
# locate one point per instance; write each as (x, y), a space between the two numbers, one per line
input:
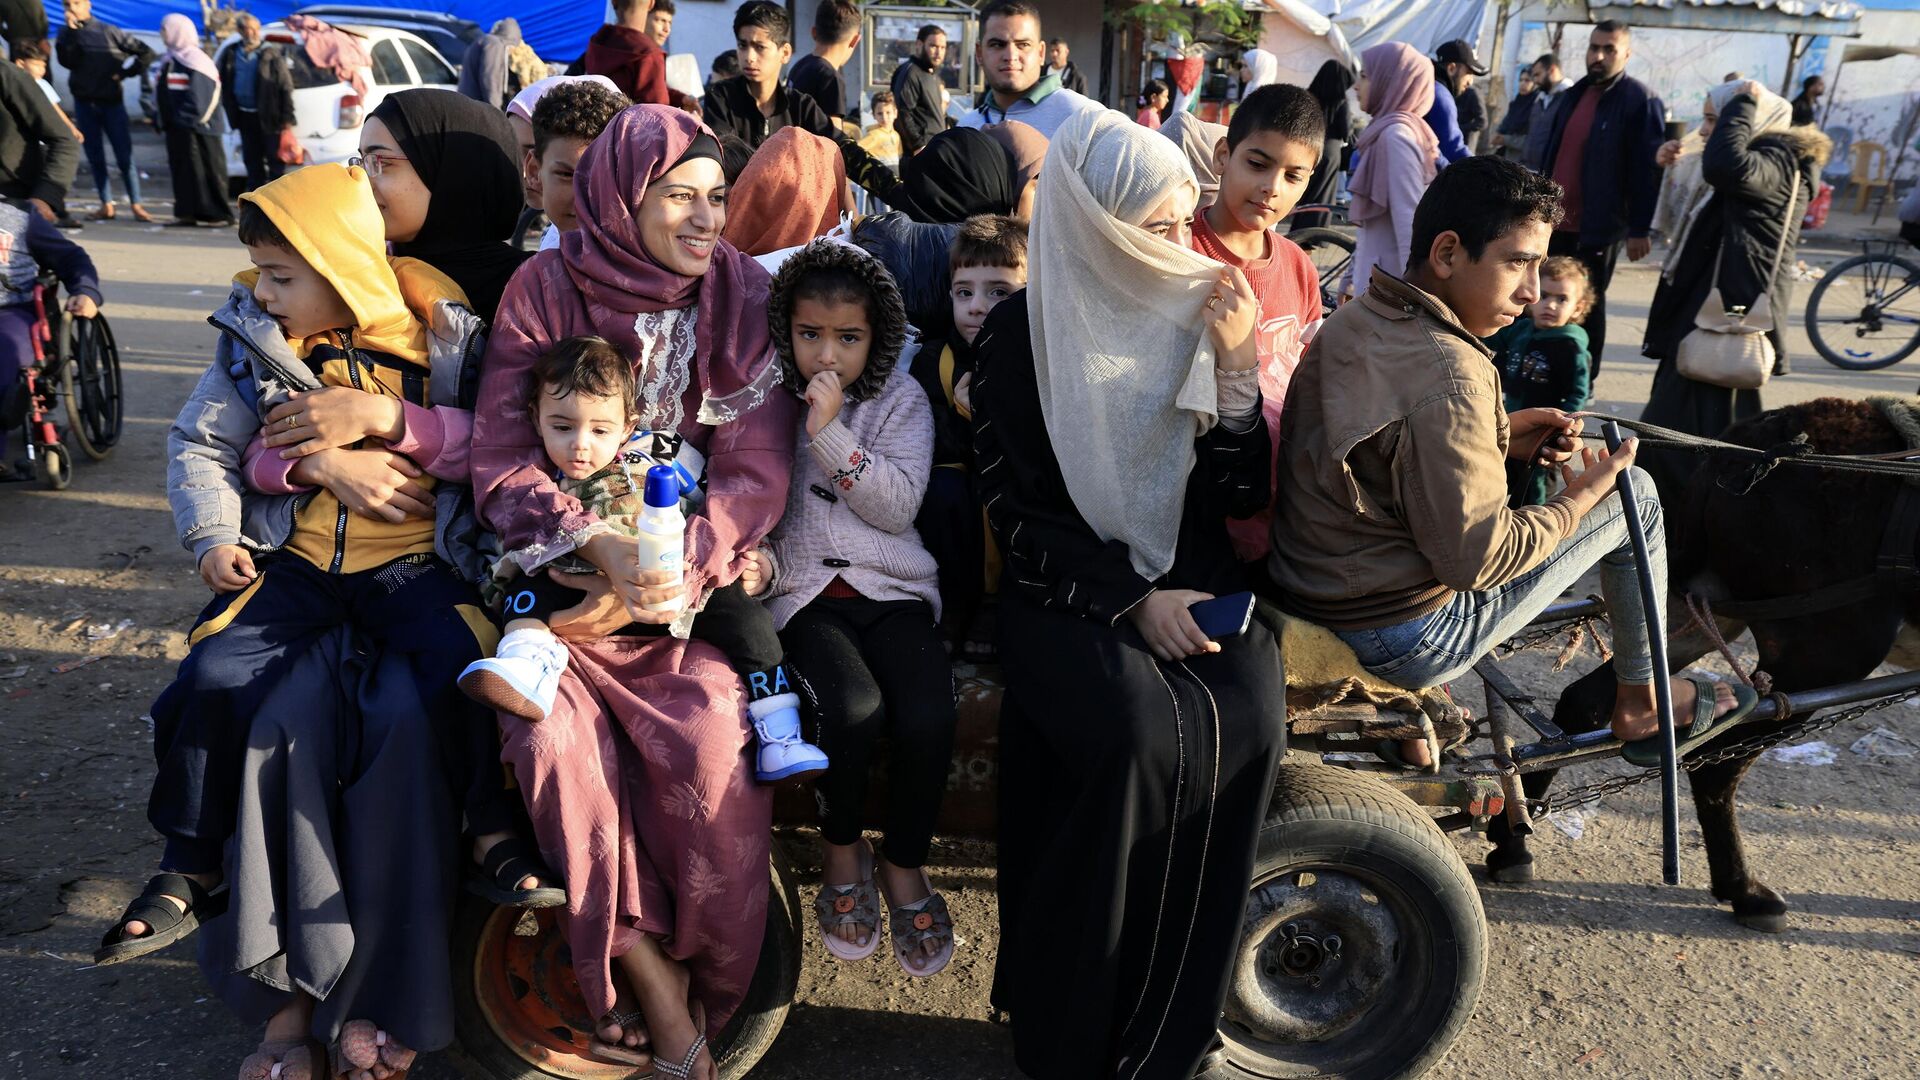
(328, 215)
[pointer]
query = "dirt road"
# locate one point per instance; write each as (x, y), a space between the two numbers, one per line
(1595, 971)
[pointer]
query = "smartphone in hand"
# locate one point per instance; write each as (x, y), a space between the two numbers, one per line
(1223, 616)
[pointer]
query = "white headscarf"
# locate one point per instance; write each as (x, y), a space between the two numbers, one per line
(1263, 69)
(1771, 114)
(1120, 349)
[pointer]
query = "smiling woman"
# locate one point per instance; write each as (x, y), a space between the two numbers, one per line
(663, 840)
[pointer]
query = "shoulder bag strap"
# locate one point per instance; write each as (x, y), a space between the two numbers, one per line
(1780, 251)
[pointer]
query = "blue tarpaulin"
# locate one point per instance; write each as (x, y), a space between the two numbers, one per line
(557, 29)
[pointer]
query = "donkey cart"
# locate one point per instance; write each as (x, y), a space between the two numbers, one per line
(1364, 942)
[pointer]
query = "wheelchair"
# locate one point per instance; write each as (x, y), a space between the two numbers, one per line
(69, 396)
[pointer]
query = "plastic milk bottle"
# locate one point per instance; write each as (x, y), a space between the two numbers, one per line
(663, 529)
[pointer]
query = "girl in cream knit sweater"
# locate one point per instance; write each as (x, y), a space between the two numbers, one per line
(854, 592)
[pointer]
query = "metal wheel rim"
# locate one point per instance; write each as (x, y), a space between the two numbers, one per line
(528, 997)
(1274, 1007)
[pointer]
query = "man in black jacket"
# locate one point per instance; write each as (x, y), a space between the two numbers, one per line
(38, 152)
(1060, 62)
(256, 92)
(1606, 130)
(756, 103)
(919, 93)
(97, 56)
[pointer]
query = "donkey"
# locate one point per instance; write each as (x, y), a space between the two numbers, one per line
(1797, 531)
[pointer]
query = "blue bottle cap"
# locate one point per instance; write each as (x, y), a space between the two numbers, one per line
(663, 487)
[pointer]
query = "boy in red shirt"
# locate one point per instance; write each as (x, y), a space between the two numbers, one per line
(1264, 164)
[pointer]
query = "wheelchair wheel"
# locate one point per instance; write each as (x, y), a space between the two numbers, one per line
(54, 467)
(90, 383)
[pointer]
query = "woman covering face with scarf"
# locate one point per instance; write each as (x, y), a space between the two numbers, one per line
(638, 782)
(446, 172)
(1116, 411)
(1757, 173)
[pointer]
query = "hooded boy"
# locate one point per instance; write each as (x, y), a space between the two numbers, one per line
(363, 367)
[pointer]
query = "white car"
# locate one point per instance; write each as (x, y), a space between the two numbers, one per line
(327, 112)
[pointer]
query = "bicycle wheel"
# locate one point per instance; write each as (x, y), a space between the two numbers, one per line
(90, 378)
(1865, 314)
(1332, 253)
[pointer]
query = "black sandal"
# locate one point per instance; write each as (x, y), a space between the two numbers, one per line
(505, 864)
(166, 922)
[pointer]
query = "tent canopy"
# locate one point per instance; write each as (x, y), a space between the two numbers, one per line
(1834, 18)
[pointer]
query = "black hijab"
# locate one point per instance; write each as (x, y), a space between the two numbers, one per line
(468, 145)
(959, 173)
(1329, 87)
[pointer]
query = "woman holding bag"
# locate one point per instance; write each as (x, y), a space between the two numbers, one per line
(1735, 239)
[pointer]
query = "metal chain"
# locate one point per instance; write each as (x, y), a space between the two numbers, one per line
(1539, 637)
(1734, 751)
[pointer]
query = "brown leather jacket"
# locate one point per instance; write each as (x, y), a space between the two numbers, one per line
(1392, 479)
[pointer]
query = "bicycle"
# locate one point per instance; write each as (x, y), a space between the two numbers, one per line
(1877, 295)
(1331, 249)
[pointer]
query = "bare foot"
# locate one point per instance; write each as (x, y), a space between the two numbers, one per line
(841, 866)
(1414, 752)
(1636, 716)
(209, 882)
(903, 887)
(624, 1027)
(663, 987)
(287, 1051)
(484, 844)
(140, 213)
(365, 1052)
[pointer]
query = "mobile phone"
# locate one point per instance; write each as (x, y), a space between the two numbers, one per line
(1223, 616)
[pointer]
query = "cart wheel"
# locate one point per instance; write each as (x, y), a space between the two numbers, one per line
(90, 383)
(1364, 945)
(518, 1014)
(54, 467)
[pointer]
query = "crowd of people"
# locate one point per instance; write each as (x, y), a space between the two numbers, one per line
(534, 571)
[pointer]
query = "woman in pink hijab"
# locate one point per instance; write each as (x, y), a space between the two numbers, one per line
(1395, 158)
(640, 781)
(186, 94)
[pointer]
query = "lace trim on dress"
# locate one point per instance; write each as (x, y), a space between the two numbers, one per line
(715, 411)
(665, 364)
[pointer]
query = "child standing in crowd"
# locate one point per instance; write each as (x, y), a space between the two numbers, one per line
(855, 594)
(1153, 104)
(758, 102)
(567, 118)
(1544, 363)
(1265, 163)
(584, 414)
(988, 263)
(881, 140)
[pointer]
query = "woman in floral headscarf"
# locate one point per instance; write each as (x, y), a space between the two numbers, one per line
(641, 792)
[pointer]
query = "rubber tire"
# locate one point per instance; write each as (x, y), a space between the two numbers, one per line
(54, 467)
(1839, 269)
(1308, 239)
(479, 1054)
(1322, 815)
(79, 392)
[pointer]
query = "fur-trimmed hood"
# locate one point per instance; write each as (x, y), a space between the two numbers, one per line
(889, 313)
(1807, 141)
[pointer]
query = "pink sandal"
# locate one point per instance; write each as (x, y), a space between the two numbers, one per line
(362, 1045)
(857, 904)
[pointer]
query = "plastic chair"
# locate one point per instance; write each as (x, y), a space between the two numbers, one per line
(1866, 179)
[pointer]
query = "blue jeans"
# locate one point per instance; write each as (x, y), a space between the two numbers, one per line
(1441, 646)
(110, 118)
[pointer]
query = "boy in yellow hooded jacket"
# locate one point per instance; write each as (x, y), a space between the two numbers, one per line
(318, 473)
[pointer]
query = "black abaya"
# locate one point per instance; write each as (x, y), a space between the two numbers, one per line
(1131, 790)
(468, 158)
